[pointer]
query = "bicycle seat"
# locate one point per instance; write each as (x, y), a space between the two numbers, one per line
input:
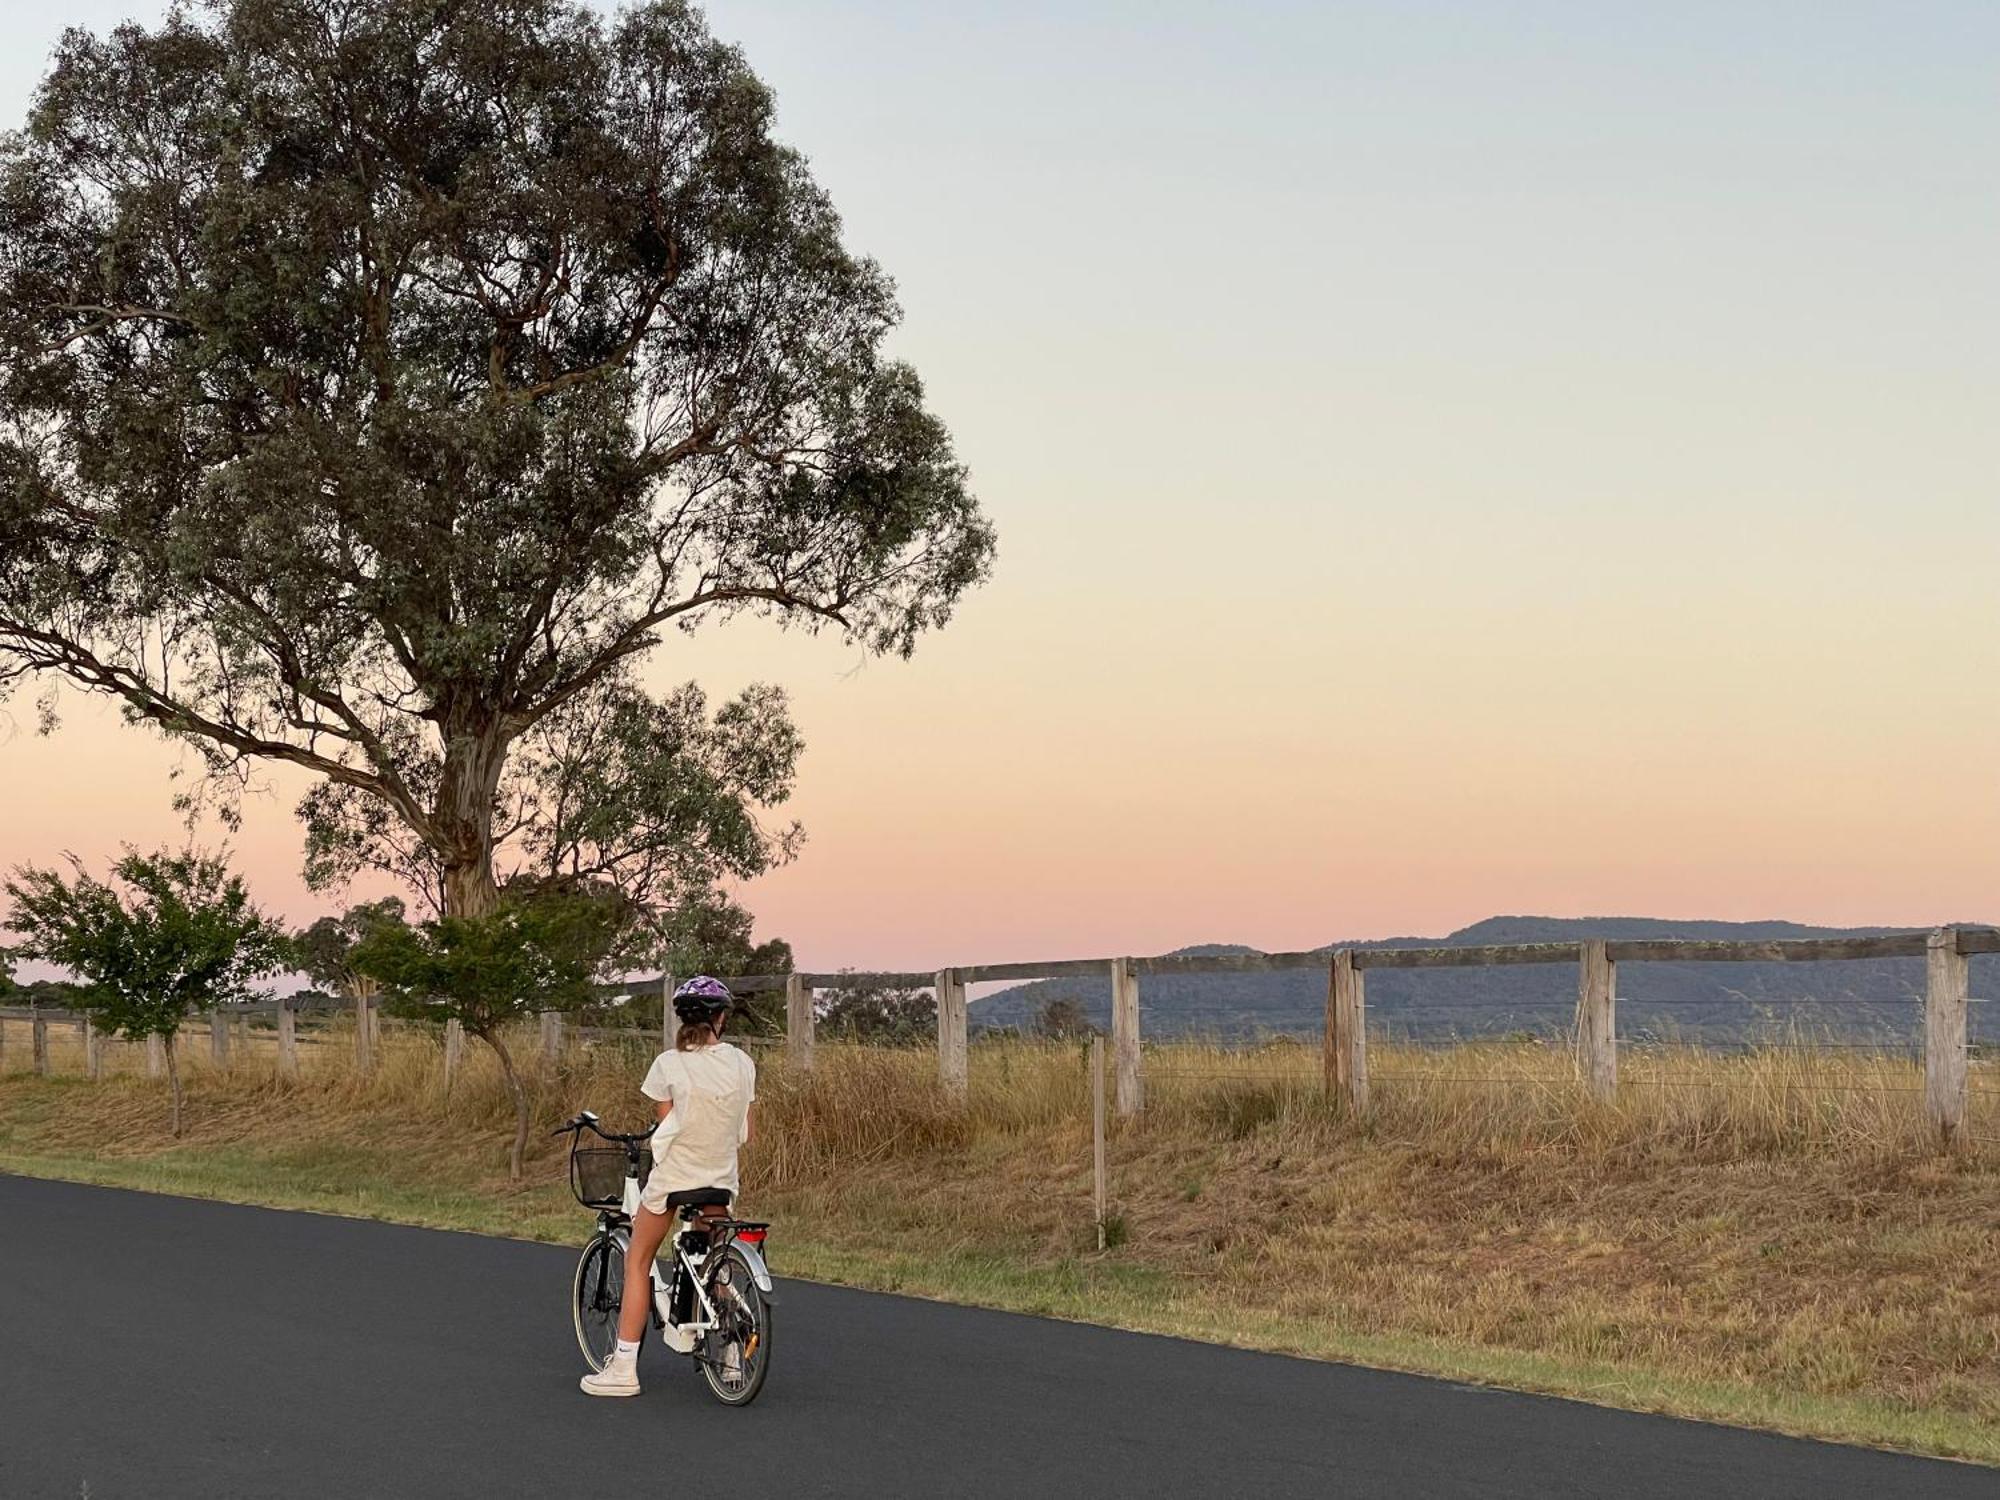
(699, 1198)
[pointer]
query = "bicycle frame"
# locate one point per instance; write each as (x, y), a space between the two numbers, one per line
(619, 1227)
(616, 1227)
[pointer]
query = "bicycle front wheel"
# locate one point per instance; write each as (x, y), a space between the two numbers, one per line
(600, 1286)
(735, 1356)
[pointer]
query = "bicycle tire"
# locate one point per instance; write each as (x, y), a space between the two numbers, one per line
(600, 1279)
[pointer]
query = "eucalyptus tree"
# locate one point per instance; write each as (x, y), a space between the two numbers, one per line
(381, 380)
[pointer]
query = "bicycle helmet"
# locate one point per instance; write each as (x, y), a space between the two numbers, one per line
(701, 999)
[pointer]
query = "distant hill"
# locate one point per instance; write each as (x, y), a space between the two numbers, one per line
(1711, 1002)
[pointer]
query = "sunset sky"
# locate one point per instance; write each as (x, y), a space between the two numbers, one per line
(1449, 459)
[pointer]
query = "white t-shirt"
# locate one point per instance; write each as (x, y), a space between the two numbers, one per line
(695, 1147)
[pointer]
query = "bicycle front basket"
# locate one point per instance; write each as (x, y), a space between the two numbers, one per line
(597, 1175)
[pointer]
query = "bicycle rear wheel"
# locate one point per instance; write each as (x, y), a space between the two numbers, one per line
(735, 1356)
(600, 1286)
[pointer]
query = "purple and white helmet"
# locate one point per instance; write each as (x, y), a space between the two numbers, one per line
(701, 999)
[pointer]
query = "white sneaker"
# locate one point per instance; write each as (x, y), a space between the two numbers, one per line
(618, 1378)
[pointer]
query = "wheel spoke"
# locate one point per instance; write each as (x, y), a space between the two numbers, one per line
(734, 1354)
(599, 1285)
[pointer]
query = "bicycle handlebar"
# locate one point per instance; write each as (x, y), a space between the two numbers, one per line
(586, 1122)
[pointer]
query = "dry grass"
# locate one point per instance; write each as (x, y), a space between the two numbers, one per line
(1769, 1236)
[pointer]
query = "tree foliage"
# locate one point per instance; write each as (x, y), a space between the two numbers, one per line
(716, 936)
(381, 379)
(485, 972)
(706, 934)
(885, 1017)
(49, 994)
(1062, 1018)
(324, 952)
(529, 954)
(654, 798)
(173, 935)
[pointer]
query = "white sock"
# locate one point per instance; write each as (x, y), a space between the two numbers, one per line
(627, 1349)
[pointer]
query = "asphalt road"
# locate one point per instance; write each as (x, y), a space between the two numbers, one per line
(156, 1347)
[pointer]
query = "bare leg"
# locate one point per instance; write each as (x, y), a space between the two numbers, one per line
(648, 1230)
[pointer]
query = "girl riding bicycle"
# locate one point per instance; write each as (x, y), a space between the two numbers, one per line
(703, 1090)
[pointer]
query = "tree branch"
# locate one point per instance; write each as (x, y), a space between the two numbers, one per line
(48, 651)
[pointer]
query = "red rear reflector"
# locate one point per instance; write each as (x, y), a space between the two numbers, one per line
(753, 1236)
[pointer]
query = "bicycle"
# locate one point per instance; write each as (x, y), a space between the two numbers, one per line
(718, 1262)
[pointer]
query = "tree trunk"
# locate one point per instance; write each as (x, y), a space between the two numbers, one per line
(469, 888)
(174, 1086)
(474, 756)
(515, 1092)
(473, 762)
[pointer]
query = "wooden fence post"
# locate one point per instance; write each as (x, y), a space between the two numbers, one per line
(1131, 1094)
(288, 1039)
(1944, 1035)
(454, 1052)
(218, 1038)
(1099, 1184)
(39, 1043)
(156, 1055)
(666, 1012)
(364, 1036)
(552, 1037)
(951, 1032)
(1346, 1034)
(1597, 1021)
(798, 1023)
(93, 1048)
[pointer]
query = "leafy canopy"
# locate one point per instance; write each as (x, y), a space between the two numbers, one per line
(169, 936)
(885, 1017)
(485, 971)
(324, 952)
(655, 798)
(715, 937)
(1062, 1018)
(710, 934)
(379, 379)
